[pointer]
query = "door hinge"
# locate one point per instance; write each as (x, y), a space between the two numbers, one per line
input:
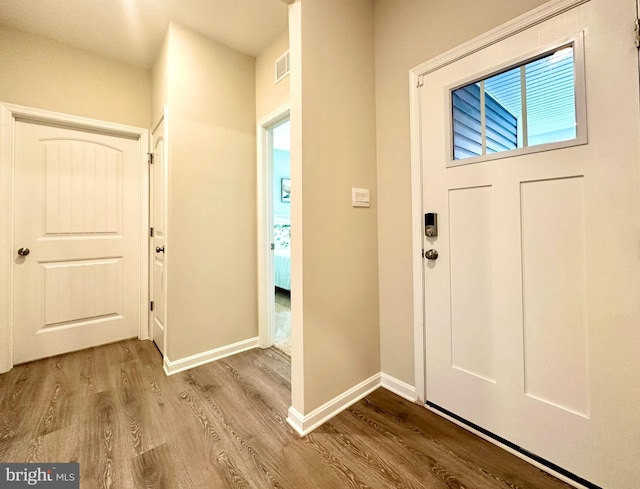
(150, 155)
(151, 306)
(420, 81)
(151, 232)
(637, 30)
(273, 246)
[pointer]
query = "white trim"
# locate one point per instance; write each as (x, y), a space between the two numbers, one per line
(73, 121)
(518, 454)
(6, 238)
(416, 239)
(8, 115)
(143, 257)
(296, 420)
(398, 387)
(306, 424)
(175, 366)
(536, 16)
(266, 290)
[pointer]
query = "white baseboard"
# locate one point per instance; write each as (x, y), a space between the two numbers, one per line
(296, 420)
(399, 387)
(174, 366)
(306, 424)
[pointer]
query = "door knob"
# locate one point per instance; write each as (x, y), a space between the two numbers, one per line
(23, 251)
(431, 254)
(159, 249)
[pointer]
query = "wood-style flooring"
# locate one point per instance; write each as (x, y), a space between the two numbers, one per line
(222, 425)
(282, 336)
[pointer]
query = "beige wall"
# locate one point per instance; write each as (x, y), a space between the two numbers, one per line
(160, 81)
(269, 94)
(211, 238)
(46, 74)
(334, 115)
(408, 33)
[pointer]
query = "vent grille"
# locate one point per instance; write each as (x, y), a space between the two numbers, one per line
(282, 66)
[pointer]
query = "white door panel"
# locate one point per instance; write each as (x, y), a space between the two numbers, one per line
(158, 222)
(77, 211)
(531, 308)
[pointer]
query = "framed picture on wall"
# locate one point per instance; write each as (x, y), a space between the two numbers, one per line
(285, 188)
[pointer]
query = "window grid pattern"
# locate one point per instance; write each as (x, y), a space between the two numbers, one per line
(529, 105)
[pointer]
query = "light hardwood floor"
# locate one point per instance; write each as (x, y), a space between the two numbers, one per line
(282, 338)
(222, 425)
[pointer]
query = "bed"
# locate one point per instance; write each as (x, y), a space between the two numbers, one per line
(282, 252)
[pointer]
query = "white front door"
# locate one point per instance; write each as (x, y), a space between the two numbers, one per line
(76, 272)
(158, 223)
(531, 307)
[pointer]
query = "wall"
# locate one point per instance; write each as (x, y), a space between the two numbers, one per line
(281, 169)
(46, 74)
(269, 94)
(333, 113)
(407, 34)
(211, 258)
(160, 81)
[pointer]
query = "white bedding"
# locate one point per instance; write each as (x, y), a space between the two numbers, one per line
(282, 253)
(282, 268)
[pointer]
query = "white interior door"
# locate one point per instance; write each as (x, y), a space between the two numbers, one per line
(77, 212)
(158, 223)
(531, 307)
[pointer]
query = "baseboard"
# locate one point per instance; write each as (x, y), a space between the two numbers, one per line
(399, 387)
(306, 424)
(296, 420)
(174, 366)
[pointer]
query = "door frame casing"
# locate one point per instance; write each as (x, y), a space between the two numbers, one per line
(500, 33)
(9, 113)
(266, 293)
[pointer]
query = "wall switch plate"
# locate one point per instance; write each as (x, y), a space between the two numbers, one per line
(360, 197)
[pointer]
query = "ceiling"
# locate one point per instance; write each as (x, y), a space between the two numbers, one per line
(132, 30)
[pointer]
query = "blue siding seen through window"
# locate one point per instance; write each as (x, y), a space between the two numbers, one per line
(551, 105)
(501, 126)
(548, 110)
(467, 128)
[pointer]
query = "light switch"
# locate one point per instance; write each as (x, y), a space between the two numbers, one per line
(360, 197)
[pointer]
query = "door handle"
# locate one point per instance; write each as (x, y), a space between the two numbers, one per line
(431, 254)
(23, 251)
(159, 249)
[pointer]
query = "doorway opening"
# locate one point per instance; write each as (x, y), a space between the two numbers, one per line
(274, 231)
(281, 239)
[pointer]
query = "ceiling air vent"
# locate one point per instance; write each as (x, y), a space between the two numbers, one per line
(282, 66)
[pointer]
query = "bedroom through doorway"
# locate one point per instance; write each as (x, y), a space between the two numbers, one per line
(281, 242)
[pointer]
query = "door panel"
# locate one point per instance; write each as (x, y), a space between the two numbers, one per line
(158, 220)
(472, 338)
(531, 307)
(554, 296)
(77, 210)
